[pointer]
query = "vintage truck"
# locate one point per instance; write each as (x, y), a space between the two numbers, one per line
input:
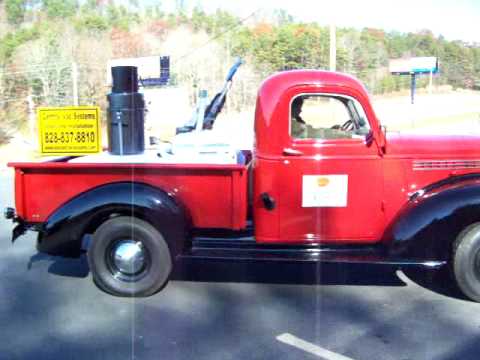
(340, 190)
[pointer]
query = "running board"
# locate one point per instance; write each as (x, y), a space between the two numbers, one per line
(247, 250)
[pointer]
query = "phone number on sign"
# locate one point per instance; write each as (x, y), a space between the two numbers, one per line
(68, 137)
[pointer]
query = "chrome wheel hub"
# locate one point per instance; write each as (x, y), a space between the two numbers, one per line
(129, 257)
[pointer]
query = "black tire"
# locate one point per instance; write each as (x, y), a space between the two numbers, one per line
(466, 261)
(157, 264)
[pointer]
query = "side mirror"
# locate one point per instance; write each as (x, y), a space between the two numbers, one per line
(363, 131)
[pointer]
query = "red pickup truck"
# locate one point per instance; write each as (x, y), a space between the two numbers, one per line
(325, 182)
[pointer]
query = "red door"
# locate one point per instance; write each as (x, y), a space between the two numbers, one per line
(330, 174)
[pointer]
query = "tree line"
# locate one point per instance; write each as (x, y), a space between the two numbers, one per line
(53, 33)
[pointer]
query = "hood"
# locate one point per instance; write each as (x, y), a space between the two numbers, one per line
(433, 146)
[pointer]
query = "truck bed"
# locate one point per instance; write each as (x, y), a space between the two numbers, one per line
(214, 194)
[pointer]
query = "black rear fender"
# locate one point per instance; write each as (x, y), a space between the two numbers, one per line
(62, 233)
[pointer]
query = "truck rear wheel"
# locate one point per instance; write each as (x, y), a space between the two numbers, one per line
(466, 261)
(129, 257)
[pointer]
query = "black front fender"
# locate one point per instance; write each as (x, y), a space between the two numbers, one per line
(430, 222)
(62, 233)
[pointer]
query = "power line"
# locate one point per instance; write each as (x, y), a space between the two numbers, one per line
(53, 97)
(48, 66)
(219, 35)
(66, 67)
(36, 70)
(66, 62)
(33, 66)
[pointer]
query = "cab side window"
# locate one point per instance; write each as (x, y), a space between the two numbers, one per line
(326, 117)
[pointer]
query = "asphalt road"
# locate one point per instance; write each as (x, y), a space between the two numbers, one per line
(50, 309)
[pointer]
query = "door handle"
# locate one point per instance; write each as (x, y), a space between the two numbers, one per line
(292, 152)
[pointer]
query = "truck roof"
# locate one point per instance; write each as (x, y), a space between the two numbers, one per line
(286, 79)
(276, 92)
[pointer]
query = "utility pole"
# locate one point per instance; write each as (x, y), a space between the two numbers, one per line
(430, 83)
(413, 85)
(333, 48)
(31, 119)
(75, 83)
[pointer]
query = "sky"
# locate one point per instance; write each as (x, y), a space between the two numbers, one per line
(454, 19)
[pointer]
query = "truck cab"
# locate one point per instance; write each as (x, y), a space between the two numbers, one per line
(326, 176)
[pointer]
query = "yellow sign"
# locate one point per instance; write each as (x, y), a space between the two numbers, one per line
(69, 130)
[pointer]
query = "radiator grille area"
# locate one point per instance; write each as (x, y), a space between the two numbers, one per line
(446, 164)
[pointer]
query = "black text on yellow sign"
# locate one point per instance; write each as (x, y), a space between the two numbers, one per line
(69, 130)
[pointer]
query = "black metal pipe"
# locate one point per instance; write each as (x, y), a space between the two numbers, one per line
(126, 112)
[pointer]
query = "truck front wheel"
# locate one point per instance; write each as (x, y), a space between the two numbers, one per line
(129, 257)
(466, 261)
